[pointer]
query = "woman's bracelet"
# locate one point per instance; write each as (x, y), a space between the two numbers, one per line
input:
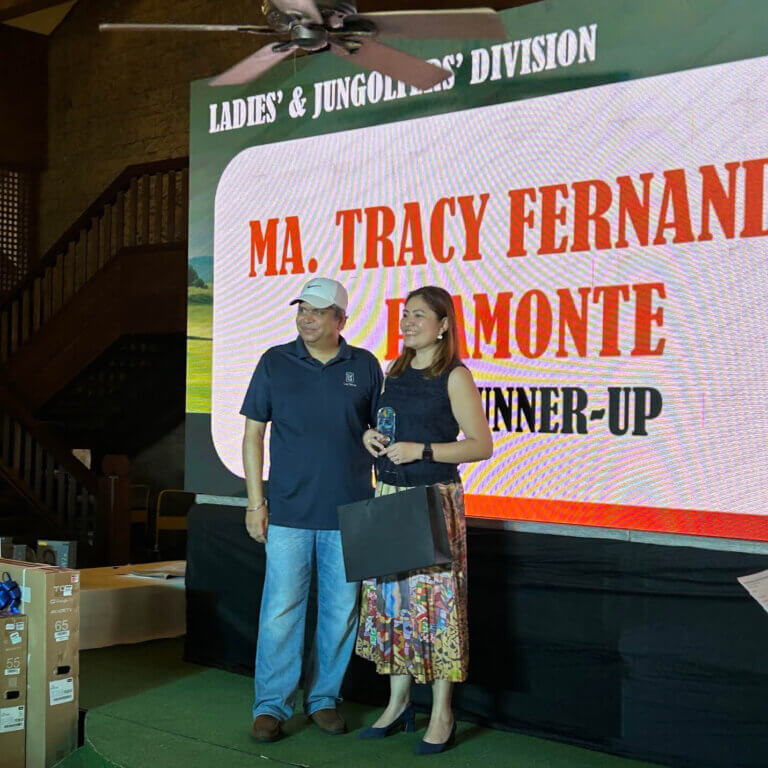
(257, 507)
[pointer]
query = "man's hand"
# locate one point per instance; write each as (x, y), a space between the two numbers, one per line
(256, 523)
(374, 442)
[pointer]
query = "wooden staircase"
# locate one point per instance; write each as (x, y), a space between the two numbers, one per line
(119, 270)
(139, 291)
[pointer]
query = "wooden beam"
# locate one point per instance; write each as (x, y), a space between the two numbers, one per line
(12, 9)
(23, 94)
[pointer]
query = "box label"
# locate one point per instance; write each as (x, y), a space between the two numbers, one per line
(13, 665)
(66, 590)
(62, 691)
(11, 719)
(10, 626)
(15, 638)
(62, 635)
(19, 625)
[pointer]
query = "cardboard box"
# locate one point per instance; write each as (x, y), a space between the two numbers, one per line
(51, 601)
(13, 688)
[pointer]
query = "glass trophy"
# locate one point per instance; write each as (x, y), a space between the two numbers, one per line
(385, 423)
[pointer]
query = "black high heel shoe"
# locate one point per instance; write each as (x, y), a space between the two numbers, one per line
(425, 748)
(405, 721)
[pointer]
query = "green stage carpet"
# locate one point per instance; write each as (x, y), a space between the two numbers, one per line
(146, 708)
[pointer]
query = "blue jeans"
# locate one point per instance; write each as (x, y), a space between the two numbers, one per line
(291, 555)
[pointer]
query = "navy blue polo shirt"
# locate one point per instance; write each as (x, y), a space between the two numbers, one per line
(318, 414)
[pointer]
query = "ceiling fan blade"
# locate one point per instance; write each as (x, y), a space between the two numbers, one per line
(252, 67)
(186, 28)
(472, 24)
(395, 63)
(305, 8)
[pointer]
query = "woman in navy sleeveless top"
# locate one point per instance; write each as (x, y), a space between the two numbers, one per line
(414, 625)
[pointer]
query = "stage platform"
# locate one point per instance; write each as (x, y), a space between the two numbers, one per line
(146, 707)
(118, 607)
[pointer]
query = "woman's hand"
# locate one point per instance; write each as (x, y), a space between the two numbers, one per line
(404, 453)
(374, 442)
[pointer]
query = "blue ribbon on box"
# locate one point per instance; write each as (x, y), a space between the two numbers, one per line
(10, 594)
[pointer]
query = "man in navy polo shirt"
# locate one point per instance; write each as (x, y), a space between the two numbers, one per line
(320, 395)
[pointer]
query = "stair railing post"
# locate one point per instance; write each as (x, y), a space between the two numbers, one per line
(114, 517)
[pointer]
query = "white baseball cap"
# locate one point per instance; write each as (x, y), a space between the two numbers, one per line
(321, 292)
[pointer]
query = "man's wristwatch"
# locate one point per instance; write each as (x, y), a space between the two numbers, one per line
(426, 454)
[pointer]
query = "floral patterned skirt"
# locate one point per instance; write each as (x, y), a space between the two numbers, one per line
(416, 623)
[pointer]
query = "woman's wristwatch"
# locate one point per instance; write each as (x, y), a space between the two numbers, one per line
(256, 507)
(426, 454)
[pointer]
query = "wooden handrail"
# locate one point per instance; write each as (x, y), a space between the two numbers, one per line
(69, 499)
(147, 204)
(120, 184)
(11, 403)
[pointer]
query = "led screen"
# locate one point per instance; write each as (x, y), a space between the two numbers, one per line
(605, 246)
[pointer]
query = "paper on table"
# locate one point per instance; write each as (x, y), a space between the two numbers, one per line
(757, 586)
(171, 571)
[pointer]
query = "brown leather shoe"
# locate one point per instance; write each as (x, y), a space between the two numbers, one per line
(265, 728)
(329, 720)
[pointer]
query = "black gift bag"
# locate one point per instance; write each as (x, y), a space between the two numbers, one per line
(391, 534)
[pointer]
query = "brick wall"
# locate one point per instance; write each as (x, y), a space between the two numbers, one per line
(120, 98)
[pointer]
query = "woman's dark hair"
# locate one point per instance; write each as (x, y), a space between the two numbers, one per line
(446, 355)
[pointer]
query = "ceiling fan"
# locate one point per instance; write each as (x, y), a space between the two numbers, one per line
(335, 25)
